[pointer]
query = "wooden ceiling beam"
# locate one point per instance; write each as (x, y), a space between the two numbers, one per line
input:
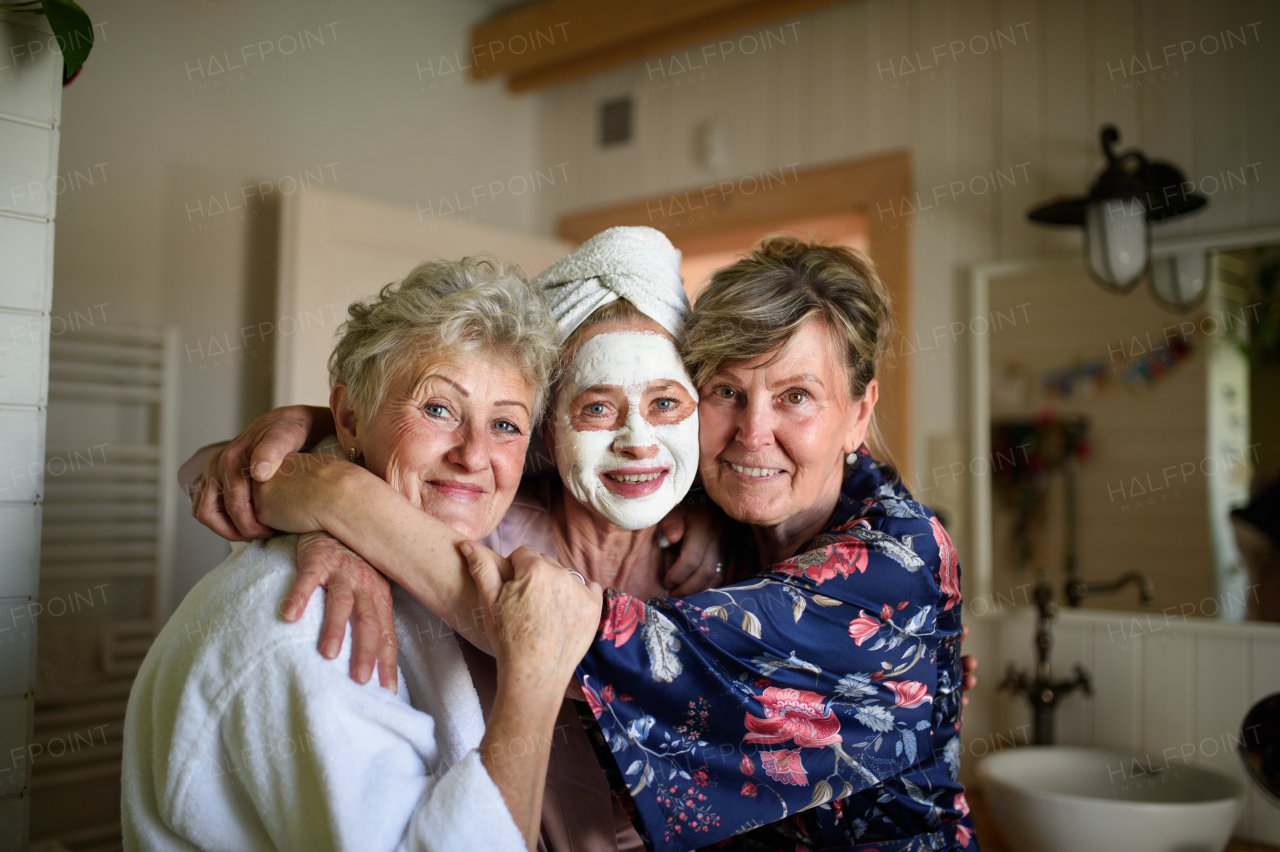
(556, 41)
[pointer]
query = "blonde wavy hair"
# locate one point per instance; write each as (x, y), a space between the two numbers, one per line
(757, 306)
(474, 304)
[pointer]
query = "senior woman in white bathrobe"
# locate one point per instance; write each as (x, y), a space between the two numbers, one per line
(240, 735)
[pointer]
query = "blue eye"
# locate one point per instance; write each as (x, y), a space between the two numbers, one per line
(596, 409)
(507, 426)
(666, 404)
(435, 410)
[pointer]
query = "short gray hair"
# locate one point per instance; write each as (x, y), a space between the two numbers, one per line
(477, 303)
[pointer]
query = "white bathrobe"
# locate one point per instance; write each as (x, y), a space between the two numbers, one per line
(240, 736)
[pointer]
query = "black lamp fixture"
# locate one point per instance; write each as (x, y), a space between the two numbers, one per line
(1131, 193)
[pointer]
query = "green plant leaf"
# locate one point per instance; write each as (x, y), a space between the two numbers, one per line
(74, 31)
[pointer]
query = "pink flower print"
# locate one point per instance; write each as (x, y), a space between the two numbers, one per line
(784, 766)
(909, 693)
(863, 627)
(625, 614)
(792, 714)
(950, 570)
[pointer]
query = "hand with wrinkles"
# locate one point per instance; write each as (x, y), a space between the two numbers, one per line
(222, 497)
(355, 591)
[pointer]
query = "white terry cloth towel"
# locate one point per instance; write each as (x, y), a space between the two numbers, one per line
(240, 736)
(633, 263)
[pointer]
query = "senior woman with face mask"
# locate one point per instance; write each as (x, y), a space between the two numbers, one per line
(239, 735)
(816, 704)
(623, 430)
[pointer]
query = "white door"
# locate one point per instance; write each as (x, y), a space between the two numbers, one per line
(336, 248)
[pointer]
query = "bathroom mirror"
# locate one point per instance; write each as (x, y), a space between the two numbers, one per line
(1260, 746)
(1170, 463)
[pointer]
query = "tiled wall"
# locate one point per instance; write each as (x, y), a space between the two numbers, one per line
(30, 103)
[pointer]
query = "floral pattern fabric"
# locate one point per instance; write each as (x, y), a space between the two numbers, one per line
(814, 706)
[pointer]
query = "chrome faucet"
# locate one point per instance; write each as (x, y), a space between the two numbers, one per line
(1043, 691)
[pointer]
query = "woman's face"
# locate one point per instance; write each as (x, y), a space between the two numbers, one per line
(775, 435)
(624, 425)
(451, 438)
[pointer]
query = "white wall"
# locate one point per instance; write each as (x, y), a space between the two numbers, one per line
(353, 112)
(838, 89)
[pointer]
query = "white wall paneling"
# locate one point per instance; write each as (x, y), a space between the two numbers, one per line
(15, 729)
(21, 454)
(30, 91)
(24, 358)
(30, 107)
(28, 169)
(20, 532)
(26, 277)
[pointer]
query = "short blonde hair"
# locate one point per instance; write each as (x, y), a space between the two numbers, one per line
(475, 304)
(758, 304)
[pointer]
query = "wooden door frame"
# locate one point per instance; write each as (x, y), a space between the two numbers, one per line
(694, 218)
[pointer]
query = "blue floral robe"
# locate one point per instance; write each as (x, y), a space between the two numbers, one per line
(813, 706)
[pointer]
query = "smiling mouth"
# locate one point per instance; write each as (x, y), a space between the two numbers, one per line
(633, 483)
(635, 477)
(467, 492)
(754, 472)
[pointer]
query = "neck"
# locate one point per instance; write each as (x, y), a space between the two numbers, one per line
(776, 542)
(627, 560)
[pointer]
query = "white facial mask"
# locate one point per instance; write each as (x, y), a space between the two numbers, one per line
(631, 360)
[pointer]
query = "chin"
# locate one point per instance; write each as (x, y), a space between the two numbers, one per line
(751, 510)
(467, 523)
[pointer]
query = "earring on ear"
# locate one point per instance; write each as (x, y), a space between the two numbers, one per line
(351, 455)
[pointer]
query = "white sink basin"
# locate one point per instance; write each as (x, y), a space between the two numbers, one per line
(1068, 799)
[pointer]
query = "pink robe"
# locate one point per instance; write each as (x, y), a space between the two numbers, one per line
(579, 812)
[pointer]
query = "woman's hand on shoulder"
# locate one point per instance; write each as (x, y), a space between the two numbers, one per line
(355, 592)
(701, 563)
(540, 623)
(222, 497)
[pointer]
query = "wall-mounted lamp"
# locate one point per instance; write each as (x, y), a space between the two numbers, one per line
(1131, 193)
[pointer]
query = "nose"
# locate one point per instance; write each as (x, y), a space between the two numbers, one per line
(755, 425)
(635, 440)
(470, 450)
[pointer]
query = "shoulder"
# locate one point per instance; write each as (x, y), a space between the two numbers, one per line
(225, 631)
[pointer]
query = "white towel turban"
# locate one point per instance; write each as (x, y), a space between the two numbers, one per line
(633, 263)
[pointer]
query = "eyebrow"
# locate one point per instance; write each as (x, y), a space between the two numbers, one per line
(460, 389)
(802, 377)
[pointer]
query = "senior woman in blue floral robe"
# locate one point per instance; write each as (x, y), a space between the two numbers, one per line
(815, 704)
